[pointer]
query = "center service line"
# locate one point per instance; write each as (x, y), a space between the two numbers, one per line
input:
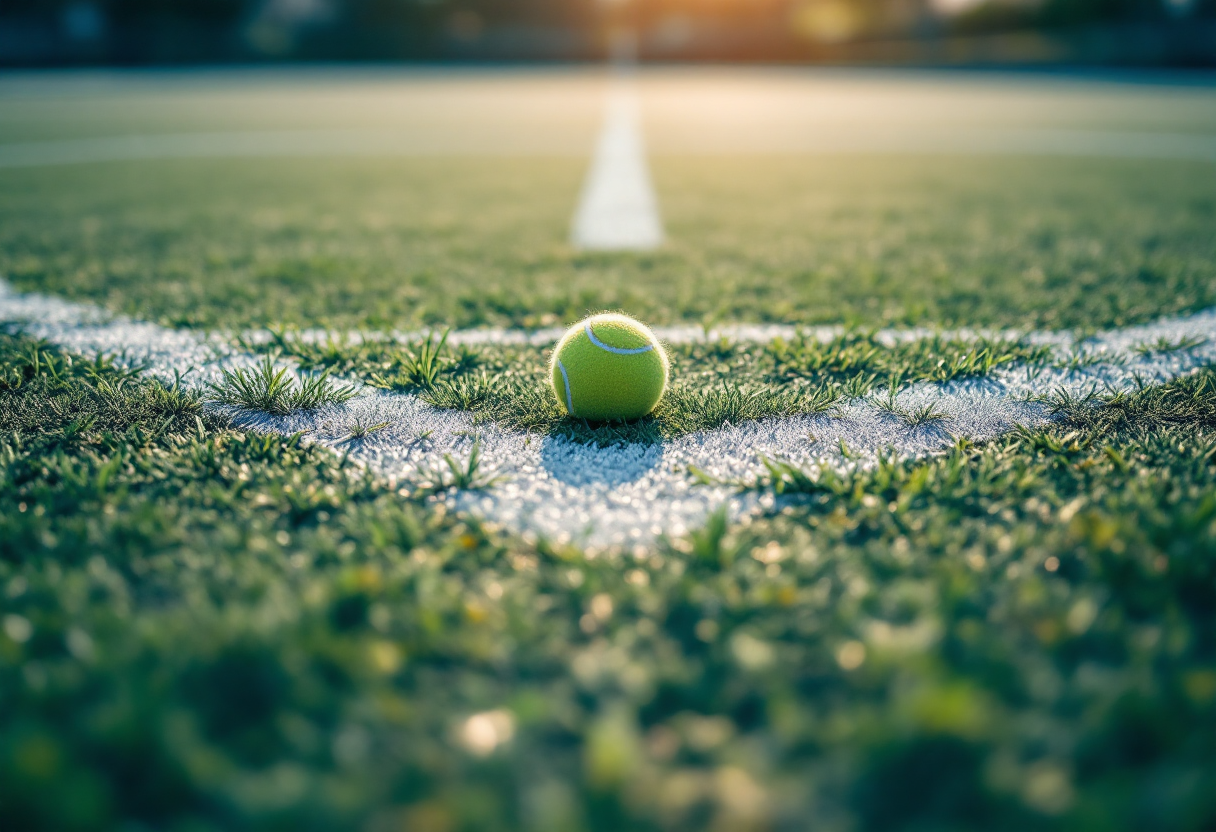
(618, 209)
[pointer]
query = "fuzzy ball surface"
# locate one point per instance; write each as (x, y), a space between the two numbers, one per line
(609, 366)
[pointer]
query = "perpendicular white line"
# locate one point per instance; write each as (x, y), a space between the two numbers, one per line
(423, 142)
(287, 144)
(618, 209)
(628, 495)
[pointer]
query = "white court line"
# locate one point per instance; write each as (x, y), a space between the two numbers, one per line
(286, 144)
(679, 334)
(626, 496)
(941, 140)
(620, 146)
(618, 209)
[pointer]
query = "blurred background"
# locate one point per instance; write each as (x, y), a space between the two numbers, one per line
(1171, 33)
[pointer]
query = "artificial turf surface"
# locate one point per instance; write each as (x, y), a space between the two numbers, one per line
(206, 629)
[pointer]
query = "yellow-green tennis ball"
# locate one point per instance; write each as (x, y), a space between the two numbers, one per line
(609, 367)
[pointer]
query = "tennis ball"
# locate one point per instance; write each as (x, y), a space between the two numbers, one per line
(609, 367)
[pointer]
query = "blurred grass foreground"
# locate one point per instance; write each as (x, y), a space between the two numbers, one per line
(1006, 32)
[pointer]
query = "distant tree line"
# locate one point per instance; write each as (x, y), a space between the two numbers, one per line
(1003, 15)
(188, 31)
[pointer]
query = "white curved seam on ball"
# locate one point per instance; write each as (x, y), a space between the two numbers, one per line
(615, 350)
(566, 381)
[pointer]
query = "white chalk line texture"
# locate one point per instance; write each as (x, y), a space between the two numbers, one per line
(627, 496)
(618, 209)
(255, 144)
(621, 119)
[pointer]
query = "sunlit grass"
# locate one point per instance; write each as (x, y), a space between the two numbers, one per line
(161, 570)
(1031, 243)
(712, 383)
(273, 389)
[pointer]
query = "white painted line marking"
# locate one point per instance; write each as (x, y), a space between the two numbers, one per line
(628, 495)
(257, 144)
(321, 143)
(618, 209)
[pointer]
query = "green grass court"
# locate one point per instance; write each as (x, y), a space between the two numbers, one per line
(1049, 243)
(477, 236)
(206, 628)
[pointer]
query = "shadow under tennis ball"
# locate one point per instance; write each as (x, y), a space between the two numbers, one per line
(581, 464)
